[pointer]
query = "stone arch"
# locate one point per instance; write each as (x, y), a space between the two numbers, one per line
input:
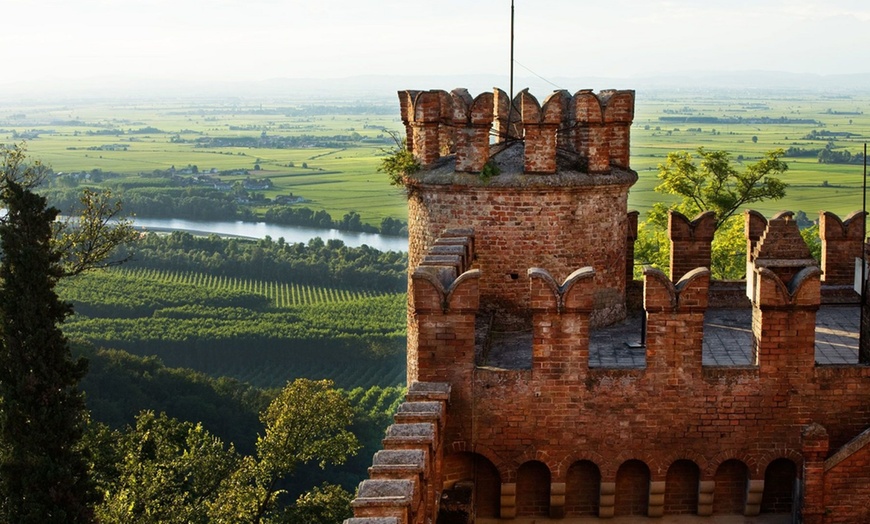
(468, 466)
(780, 476)
(681, 488)
(632, 488)
(533, 489)
(582, 489)
(729, 495)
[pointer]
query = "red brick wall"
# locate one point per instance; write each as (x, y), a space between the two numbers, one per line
(681, 489)
(561, 229)
(847, 490)
(779, 482)
(583, 489)
(632, 488)
(729, 495)
(533, 489)
(673, 409)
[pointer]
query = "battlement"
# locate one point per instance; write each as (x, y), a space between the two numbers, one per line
(564, 402)
(584, 132)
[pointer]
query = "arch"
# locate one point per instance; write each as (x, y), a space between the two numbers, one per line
(779, 483)
(533, 489)
(729, 495)
(632, 488)
(582, 489)
(468, 466)
(681, 488)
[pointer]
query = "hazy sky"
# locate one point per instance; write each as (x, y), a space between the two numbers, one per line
(262, 39)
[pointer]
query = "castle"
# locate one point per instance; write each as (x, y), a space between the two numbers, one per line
(530, 394)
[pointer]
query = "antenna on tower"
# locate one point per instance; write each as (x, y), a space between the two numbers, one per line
(512, 53)
(863, 353)
(509, 135)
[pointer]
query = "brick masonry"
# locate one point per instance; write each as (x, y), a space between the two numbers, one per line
(547, 253)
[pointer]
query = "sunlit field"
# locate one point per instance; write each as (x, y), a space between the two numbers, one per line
(132, 138)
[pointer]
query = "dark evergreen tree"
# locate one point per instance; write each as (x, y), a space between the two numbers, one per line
(43, 470)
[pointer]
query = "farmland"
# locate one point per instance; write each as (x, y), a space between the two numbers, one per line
(259, 332)
(327, 156)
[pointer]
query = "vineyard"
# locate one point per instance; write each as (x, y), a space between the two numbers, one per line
(261, 332)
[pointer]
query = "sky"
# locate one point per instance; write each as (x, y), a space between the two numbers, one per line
(220, 40)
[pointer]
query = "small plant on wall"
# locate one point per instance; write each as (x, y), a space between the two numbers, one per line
(399, 161)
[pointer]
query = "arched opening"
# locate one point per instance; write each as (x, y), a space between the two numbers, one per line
(632, 489)
(779, 481)
(460, 468)
(582, 489)
(681, 488)
(729, 496)
(533, 489)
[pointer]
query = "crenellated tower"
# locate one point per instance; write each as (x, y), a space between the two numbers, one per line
(539, 184)
(529, 396)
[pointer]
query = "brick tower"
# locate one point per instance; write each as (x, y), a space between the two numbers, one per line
(551, 192)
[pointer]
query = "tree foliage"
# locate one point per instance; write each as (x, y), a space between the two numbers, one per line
(165, 470)
(398, 162)
(43, 473)
(714, 184)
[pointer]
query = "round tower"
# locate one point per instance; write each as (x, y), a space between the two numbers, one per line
(550, 190)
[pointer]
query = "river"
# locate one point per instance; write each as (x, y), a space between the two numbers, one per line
(291, 234)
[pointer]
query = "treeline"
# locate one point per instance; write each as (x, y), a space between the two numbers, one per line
(153, 199)
(826, 155)
(303, 216)
(119, 386)
(266, 141)
(697, 119)
(329, 263)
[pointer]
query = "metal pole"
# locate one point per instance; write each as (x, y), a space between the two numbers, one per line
(863, 352)
(511, 111)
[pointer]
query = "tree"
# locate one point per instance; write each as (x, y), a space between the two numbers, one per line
(162, 470)
(44, 473)
(307, 422)
(715, 185)
(754, 139)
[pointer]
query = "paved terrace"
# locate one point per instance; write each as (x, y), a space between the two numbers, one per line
(727, 341)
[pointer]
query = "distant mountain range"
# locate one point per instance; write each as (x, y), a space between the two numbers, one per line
(381, 89)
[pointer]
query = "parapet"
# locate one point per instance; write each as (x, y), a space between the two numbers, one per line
(585, 132)
(405, 477)
(842, 241)
(444, 279)
(691, 241)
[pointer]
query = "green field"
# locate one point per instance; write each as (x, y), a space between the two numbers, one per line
(139, 137)
(260, 332)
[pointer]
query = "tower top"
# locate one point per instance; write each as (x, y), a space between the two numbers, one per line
(454, 133)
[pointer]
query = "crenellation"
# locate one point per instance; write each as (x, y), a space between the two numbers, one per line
(691, 241)
(842, 242)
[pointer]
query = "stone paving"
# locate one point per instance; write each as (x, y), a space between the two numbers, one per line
(727, 341)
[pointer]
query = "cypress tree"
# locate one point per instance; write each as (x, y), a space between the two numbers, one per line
(43, 470)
